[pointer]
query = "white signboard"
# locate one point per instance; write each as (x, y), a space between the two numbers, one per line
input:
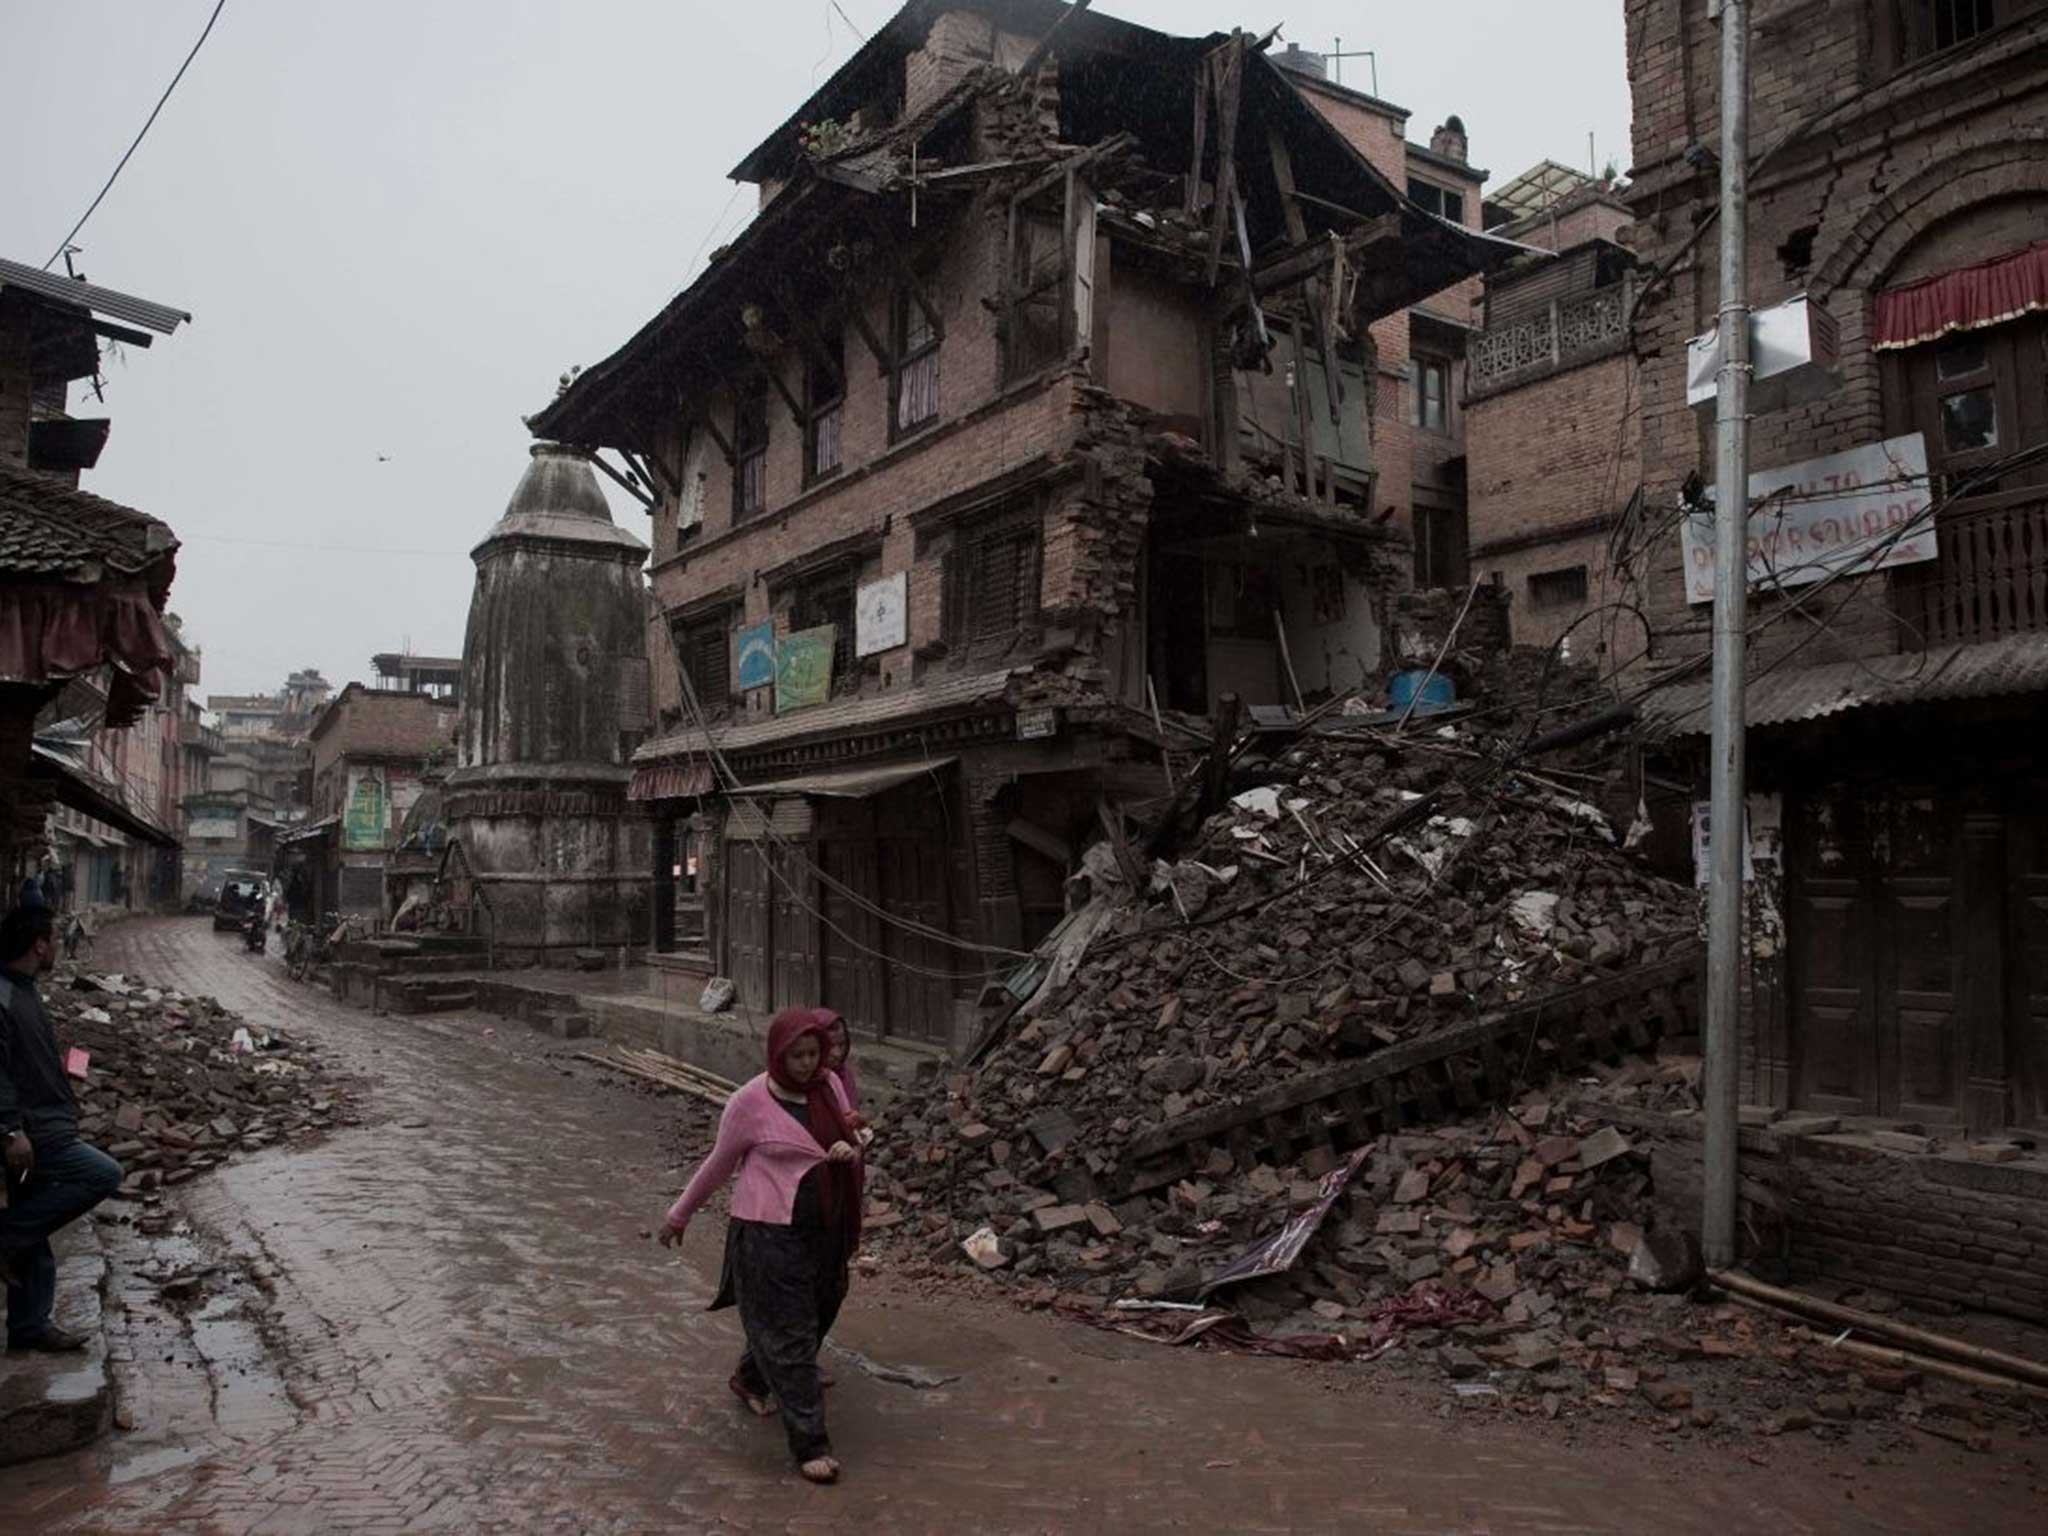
(881, 619)
(1844, 513)
(213, 828)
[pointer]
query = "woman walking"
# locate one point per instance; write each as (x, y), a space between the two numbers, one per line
(839, 1060)
(795, 1224)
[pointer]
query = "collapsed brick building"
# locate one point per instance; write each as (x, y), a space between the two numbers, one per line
(1032, 419)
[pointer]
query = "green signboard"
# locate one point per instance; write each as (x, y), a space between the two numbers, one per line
(803, 668)
(364, 823)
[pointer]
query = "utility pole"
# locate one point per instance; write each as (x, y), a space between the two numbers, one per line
(1728, 829)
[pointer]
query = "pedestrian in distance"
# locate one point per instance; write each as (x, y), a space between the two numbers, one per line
(53, 1177)
(788, 1134)
(839, 1060)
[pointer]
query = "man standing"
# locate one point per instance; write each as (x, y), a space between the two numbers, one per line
(53, 1178)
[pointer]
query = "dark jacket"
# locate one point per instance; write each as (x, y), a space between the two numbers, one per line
(35, 1095)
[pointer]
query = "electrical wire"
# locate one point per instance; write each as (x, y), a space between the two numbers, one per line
(64, 244)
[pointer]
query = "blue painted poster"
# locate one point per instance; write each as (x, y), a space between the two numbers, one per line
(756, 647)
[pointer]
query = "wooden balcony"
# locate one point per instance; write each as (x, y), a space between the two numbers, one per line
(1991, 579)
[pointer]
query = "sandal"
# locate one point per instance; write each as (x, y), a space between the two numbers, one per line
(758, 1404)
(820, 1469)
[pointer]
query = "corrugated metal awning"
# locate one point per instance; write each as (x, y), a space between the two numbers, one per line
(853, 784)
(1792, 695)
(311, 830)
(161, 318)
(94, 797)
(753, 821)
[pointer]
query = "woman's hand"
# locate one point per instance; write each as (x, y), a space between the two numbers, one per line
(841, 1152)
(671, 1237)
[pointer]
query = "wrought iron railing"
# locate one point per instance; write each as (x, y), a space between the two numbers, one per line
(1990, 578)
(1569, 331)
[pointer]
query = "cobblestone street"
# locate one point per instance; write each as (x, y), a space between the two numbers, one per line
(459, 1325)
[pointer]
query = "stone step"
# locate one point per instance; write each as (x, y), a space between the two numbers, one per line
(55, 1403)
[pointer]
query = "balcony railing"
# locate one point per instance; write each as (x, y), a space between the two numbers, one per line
(202, 737)
(1990, 580)
(1573, 330)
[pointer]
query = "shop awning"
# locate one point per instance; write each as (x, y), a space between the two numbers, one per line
(312, 830)
(671, 781)
(94, 797)
(1794, 695)
(1966, 299)
(853, 784)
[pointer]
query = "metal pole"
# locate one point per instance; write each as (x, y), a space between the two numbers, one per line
(1728, 829)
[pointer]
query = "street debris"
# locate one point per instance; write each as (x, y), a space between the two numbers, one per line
(1335, 1093)
(177, 1084)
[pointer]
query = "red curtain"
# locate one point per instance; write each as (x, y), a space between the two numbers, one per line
(50, 631)
(1966, 299)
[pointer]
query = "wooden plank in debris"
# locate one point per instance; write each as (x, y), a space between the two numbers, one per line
(1297, 234)
(1229, 91)
(1310, 260)
(1407, 1082)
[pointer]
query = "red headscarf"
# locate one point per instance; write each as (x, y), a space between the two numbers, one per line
(840, 1187)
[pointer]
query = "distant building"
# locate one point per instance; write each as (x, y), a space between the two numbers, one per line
(1550, 427)
(402, 672)
(371, 750)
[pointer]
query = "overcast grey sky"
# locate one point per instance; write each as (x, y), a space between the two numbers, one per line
(396, 222)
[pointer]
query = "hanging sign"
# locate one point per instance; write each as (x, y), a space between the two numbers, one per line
(803, 668)
(755, 647)
(1863, 510)
(879, 614)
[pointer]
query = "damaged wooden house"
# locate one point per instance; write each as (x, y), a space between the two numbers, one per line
(1025, 428)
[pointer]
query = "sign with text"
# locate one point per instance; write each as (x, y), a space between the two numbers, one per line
(803, 667)
(879, 614)
(365, 820)
(1863, 510)
(755, 646)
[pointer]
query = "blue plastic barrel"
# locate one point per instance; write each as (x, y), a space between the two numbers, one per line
(1438, 692)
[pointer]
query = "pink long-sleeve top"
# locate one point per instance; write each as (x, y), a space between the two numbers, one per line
(770, 1148)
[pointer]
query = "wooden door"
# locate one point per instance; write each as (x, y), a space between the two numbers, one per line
(850, 970)
(796, 927)
(749, 932)
(1919, 1034)
(2027, 929)
(1831, 964)
(913, 882)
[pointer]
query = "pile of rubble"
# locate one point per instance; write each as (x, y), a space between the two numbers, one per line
(172, 1085)
(1290, 938)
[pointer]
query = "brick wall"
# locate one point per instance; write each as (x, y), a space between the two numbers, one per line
(1937, 1228)
(1544, 459)
(1911, 174)
(982, 432)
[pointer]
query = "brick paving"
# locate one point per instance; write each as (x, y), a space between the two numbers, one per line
(466, 1331)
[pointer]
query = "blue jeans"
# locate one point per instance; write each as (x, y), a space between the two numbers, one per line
(69, 1179)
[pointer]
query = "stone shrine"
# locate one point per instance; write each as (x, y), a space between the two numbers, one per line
(555, 698)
